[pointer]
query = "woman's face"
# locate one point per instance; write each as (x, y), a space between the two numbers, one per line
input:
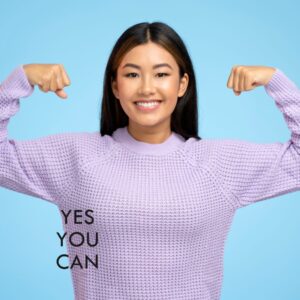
(149, 72)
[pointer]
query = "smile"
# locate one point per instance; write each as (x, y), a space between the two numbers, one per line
(147, 106)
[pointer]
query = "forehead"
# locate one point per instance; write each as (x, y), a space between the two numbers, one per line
(148, 55)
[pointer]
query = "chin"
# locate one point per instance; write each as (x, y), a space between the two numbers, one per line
(149, 123)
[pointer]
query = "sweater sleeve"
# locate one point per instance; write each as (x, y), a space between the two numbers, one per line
(249, 172)
(44, 167)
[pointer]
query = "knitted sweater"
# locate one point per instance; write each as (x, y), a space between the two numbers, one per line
(161, 211)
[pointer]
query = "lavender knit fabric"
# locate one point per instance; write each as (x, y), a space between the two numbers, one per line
(162, 211)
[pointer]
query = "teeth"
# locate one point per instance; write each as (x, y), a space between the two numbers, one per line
(147, 104)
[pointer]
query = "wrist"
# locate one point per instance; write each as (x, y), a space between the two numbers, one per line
(26, 71)
(271, 71)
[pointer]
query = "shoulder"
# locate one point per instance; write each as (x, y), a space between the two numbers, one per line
(211, 150)
(199, 152)
(92, 143)
(73, 145)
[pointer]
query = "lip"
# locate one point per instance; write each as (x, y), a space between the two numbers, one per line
(147, 109)
(150, 100)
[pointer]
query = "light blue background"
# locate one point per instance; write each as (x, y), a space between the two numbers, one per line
(262, 258)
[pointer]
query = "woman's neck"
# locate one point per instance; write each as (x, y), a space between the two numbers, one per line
(149, 134)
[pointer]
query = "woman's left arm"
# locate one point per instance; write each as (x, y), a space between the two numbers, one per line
(249, 172)
(277, 85)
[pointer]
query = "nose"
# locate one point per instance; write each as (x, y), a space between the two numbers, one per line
(147, 87)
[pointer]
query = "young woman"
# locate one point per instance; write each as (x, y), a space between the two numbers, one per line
(160, 199)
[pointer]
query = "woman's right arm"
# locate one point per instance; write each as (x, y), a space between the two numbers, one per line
(45, 167)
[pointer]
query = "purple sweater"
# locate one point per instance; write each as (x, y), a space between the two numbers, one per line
(162, 211)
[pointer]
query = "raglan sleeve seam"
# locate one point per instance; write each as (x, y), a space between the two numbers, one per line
(230, 197)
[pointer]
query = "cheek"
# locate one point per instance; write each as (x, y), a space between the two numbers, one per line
(169, 87)
(126, 89)
(126, 94)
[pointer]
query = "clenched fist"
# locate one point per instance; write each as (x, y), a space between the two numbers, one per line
(48, 77)
(246, 78)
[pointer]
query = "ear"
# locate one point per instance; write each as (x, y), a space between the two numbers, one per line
(184, 82)
(114, 88)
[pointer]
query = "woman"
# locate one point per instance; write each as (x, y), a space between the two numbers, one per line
(157, 199)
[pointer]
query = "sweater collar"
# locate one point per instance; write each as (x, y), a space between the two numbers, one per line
(122, 136)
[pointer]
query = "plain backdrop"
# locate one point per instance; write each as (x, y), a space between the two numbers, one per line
(262, 249)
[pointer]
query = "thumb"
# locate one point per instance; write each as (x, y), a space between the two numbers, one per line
(61, 94)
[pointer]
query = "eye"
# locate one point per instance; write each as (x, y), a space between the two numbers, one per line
(166, 74)
(128, 75)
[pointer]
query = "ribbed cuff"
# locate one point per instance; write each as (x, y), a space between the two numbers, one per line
(16, 85)
(280, 83)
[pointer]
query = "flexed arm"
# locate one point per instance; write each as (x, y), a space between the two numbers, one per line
(44, 167)
(249, 172)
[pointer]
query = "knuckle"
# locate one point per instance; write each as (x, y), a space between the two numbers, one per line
(59, 85)
(56, 68)
(248, 73)
(53, 86)
(44, 78)
(239, 69)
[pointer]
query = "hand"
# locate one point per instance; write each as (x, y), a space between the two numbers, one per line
(48, 77)
(246, 78)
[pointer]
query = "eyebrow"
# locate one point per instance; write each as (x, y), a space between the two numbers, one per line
(154, 67)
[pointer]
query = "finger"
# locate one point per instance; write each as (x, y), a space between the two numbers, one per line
(65, 77)
(230, 80)
(236, 81)
(241, 82)
(62, 94)
(46, 85)
(59, 81)
(53, 85)
(248, 83)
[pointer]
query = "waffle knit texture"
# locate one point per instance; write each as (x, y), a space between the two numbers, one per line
(162, 211)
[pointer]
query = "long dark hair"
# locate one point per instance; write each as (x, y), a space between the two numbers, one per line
(184, 119)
